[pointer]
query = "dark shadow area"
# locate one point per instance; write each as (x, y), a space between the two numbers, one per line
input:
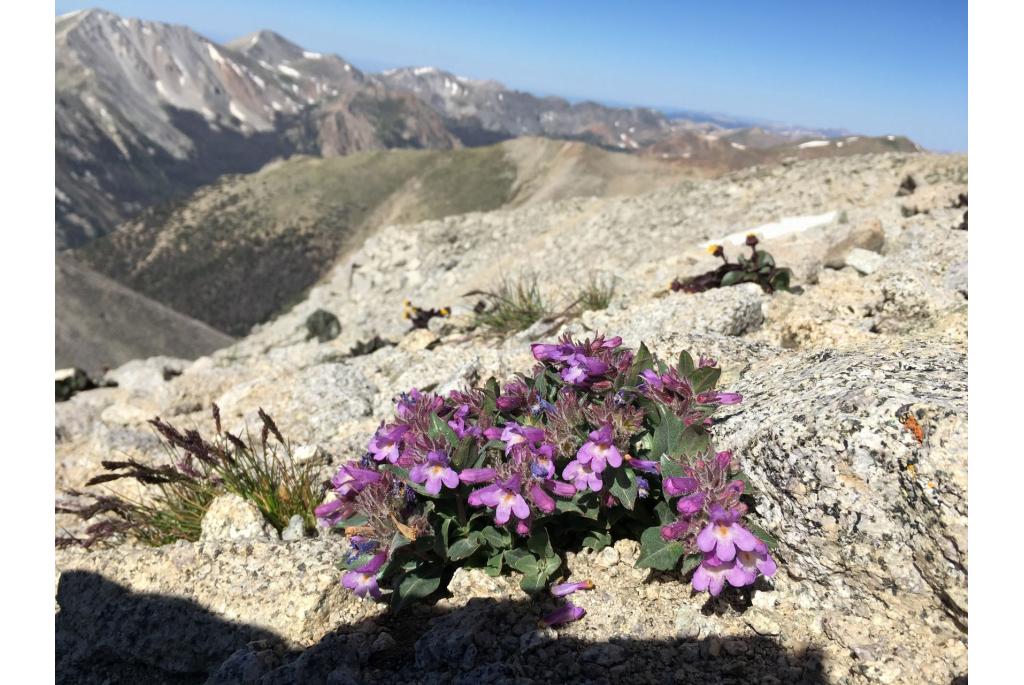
(107, 634)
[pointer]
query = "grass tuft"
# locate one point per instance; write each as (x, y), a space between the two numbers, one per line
(261, 471)
(514, 306)
(597, 294)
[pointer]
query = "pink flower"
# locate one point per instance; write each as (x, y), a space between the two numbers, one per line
(582, 476)
(435, 472)
(600, 450)
(723, 535)
(505, 499)
(713, 573)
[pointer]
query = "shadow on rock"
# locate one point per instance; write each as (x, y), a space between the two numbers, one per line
(106, 634)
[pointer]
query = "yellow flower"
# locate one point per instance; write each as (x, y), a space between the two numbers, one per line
(713, 249)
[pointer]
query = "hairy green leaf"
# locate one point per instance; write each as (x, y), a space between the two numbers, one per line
(656, 552)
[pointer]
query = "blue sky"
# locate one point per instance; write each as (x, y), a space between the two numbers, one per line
(870, 67)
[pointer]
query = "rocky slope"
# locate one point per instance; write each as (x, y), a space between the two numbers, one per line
(870, 515)
(237, 251)
(100, 324)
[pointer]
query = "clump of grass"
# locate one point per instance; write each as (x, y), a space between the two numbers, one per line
(597, 294)
(260, 471)
(514, 306)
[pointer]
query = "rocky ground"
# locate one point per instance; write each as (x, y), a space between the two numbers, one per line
(871, 516)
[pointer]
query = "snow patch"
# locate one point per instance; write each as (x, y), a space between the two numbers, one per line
(348, 67)
(214, 55)
(288, 71)
(311, 55)
(786, 226)
(739, 146)
(236, 112)
(162, 90)
(852, 139)
(501, 96)
(420, 71)
(890, 137)
(276, 105)
(208, 113)
(813, 143)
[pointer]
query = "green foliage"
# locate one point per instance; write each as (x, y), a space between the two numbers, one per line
(262, 471)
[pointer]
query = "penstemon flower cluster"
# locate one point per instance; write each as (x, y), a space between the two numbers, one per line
(596, 443)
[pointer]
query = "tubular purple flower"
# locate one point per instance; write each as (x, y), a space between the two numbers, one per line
(757, 560)
(645, 465)
(679, 485)
(713, 573)
(476, 498)
(716, 397)
(473, 476)
(690, 505)
(675, 530)
(723, 535)
(723, 460)
(435, 472)
(332, 513)
(600, 450)
(541, 499)
(563, 589)
(506, 500)
(523, 527)
(386, 444)
(563, 614)
(363, 580)
(651, 379)
(561, 489)
(705, 362)
(582, 476)
(514, 435)
(352, 478)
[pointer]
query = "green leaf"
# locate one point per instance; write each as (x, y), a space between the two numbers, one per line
(416, 584)
(690, 562)
(568, 506)
(441, 541)
(780, 279)
(664, 513)
(670, 468)
(761, 534)
(532, 583)
(494, 564)
(361, 560)
(464, 453)
(540, 543)
(540, 384)
(667, 436)
(686, 364)
(643, 360)
(656, 552)
(597, 540)
(440, 428)
(705, 378)
(463, 548)
(521, 560)
(764, 259)
(732, 278)
(694, 440)
(623, 486)
(399, 541)
(353, 521)
(497, 538)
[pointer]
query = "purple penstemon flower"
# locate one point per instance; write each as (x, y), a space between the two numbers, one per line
(505, 498)
(645, 465)
(716, 397)
(563, 589)
(691, 504)
(723, 535)
(713, 573)
(363, 580)
(757, 560)
(679, 485)
(518, 438)
(435, 472)
(600, 451)
(386, 444)
(582, 476)
(563, 614)
(580, 368)
(474, 476)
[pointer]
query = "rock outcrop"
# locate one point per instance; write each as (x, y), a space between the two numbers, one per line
(853, 430)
